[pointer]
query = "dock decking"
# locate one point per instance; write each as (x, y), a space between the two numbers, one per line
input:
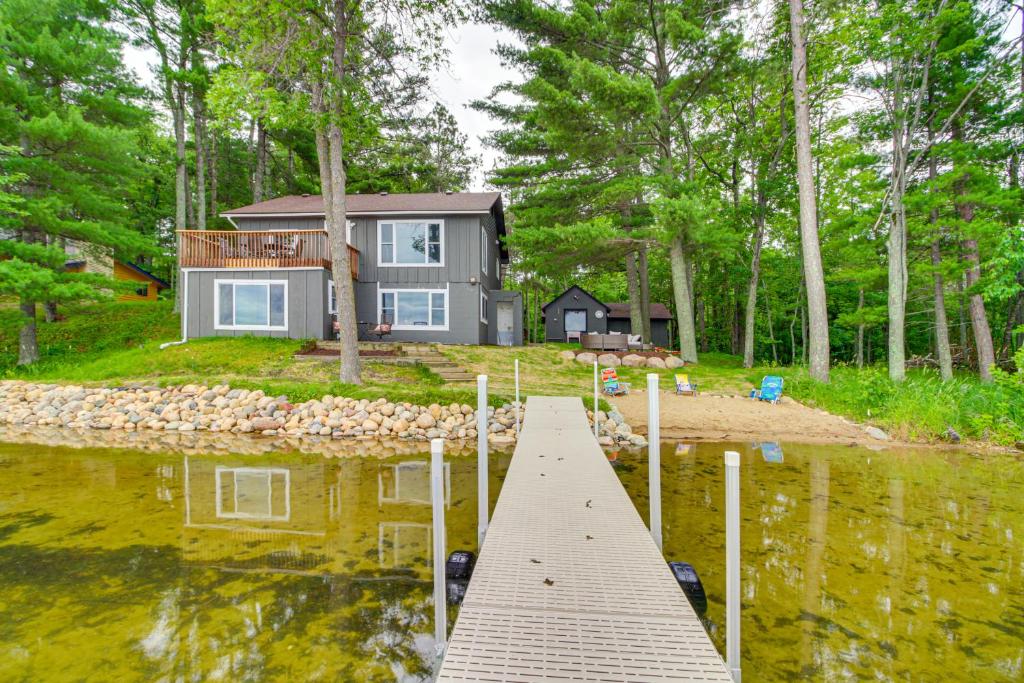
(569, 585)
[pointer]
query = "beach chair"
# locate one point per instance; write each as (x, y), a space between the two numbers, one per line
(612, 385)
(685, 386)
(771, 451)
(771, 389)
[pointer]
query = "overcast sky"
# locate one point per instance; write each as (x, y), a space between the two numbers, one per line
(472, 72)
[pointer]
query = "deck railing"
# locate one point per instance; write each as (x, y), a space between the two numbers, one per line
(258, 249)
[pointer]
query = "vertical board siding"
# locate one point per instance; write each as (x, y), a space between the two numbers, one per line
(283, 223)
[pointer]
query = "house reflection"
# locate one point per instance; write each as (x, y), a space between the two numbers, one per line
(347, 517)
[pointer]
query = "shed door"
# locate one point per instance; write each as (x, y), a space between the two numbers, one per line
(575, 320)
(506, 329)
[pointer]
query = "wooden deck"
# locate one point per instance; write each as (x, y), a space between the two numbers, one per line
(258, 249)
(569, 585)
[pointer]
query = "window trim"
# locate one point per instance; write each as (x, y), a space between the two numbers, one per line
(484, 301)
(483, 249)
(331, 293)
(395, 222)
(269, 472)
(254, 328)
(415, 328)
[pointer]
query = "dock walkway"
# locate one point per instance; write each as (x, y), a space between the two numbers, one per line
(569, 585)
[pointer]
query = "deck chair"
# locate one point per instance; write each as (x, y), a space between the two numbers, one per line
(771, 389)
(685, 386)
(612, 385)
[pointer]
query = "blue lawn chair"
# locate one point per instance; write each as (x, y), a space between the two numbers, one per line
(771, 389)
(771, 451)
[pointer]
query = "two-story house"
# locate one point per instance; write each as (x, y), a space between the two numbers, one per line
(428, 264)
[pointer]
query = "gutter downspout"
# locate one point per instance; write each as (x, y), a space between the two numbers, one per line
(184, 314)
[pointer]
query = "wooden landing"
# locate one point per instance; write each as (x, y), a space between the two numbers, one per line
(569, 585)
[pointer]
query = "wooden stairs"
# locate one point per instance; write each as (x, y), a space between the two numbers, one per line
(405, 353)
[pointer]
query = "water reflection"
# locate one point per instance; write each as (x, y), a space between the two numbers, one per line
(856, 565)
(234, 567)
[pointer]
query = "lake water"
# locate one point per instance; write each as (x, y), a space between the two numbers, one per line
(122, 565)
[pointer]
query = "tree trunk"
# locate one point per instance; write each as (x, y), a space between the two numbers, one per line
(897, 305)
(813, 272)
(212, 156)
(28, 344)
(199, 126)
(941, 323)
(259, 176)
(645, 294)
(702, 332)
(755, 277)
(180, 172)
(771, 325)
(50, 311)
(636, 313)
(679, 262)
(860, 329)
(976, 305)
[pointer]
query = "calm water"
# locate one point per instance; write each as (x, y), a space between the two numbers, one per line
(858, 565)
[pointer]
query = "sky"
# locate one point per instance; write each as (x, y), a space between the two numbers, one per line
(472, 72)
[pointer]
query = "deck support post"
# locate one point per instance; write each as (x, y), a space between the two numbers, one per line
(595, 399)
(483, 499)
(437, 502)
(732, 564)
(517, 397)
(654, 456)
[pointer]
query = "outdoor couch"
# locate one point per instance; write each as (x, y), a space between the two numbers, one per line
(604, 342)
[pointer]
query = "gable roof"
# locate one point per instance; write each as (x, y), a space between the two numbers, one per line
(578, 289)
(160, 283)
(383, 203)
(620, 310)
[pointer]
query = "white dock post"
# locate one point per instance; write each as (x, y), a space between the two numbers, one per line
(437, 502)
(732, 563)
(595, 399)
(517, 397)
(654, 455)
(483, 498)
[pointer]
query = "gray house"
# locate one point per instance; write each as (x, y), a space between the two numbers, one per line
(428, 264)
(577, 310)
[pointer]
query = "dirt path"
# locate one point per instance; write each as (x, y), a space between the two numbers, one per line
(714, 417)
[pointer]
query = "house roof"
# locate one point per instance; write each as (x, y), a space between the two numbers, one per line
(383, 203)
(658, 311)
(161, 284)
(578, 288)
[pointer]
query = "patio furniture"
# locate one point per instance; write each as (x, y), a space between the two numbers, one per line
(604, 342)
(573, 336)
(771, 389)
(685, 386)
(612, 385)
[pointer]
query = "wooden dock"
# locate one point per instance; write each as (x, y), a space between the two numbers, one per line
(569, 585)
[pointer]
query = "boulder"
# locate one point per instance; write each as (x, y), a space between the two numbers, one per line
(876, 433)
(609, 360)
(655, 362)
(567, 355)
(425, 421)
(262, 424)
(586, 358)
(633, 361)
(673, 362)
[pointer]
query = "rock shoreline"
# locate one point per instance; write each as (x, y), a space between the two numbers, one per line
(221, 409)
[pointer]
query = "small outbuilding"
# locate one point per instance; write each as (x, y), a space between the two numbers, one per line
(577, 311)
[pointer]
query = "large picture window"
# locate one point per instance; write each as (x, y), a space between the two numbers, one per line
(414, 309)
(251, 305)
(410, 243)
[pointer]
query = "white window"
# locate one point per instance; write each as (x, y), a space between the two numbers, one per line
(410, 243)
(251, 305)
(483, 249)
(332, 298)
(414, 309)
(483, 306)
(262, 493)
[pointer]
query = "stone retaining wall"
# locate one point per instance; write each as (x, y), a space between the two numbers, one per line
(195, 408)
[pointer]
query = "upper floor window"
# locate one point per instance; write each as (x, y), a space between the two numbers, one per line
(483, 249)
(410, 243)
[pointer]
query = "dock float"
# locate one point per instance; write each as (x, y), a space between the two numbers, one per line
(569, 585)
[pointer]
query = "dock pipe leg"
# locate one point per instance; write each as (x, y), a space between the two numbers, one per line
(483, 499)
(437, 502)
(654, 455)
(732, 563)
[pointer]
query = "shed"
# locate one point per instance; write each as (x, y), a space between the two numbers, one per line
(619, 321)
(574, 310)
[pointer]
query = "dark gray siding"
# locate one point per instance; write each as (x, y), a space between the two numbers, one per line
(659, 330)
(307, 305)
(463, 314)
(576, 299)
(461, 252)
(296, 223)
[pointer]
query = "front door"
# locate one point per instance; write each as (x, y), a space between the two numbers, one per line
(575, 320)
(506, 329)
